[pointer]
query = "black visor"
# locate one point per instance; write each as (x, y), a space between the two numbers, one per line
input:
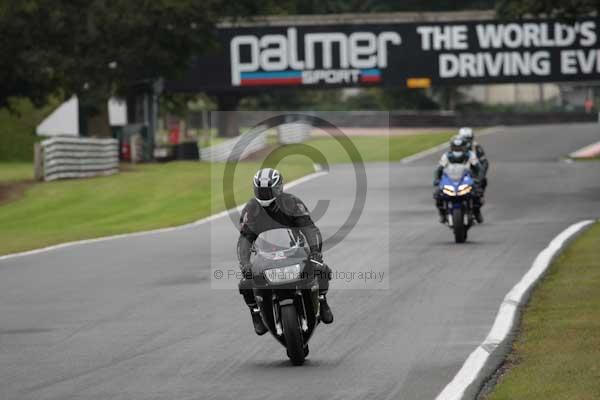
(264, 193)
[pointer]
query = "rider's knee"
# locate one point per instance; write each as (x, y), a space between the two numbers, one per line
(245, 284)
(248, 295)
(323, 272)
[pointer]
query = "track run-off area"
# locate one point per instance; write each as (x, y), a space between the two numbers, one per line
(137, 317)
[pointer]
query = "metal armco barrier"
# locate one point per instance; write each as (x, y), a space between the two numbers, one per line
(236, 148)
(294, 132)
(406, 119)
(66, 157)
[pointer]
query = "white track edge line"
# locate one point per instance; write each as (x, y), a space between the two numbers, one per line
(581, 153)
(507, 313)
(318, 172)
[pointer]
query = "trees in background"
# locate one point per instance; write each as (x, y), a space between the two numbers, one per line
(565, 9)
(97, 48)
(360, 6)
(375, 98)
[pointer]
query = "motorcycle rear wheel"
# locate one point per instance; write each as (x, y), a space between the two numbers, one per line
(460, 230)
(294, 342)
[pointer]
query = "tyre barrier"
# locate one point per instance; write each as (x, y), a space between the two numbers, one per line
(68, 157)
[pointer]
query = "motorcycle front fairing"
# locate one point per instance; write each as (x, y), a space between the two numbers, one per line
(456, 187)
(282, 276)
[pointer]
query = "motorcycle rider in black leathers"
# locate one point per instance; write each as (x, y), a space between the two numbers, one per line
(467, 134)
(269, 209)
(459, 153)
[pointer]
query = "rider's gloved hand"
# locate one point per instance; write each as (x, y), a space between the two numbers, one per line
(316, 256)
(322, 271)
(246, 270)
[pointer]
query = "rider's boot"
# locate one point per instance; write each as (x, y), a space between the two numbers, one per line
(246, 292)
(326, 314)
(440, 207)
(259, 326)
(478, 215)
(477, 204)
(443, 217)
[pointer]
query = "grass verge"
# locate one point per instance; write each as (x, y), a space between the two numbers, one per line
(159, 195)
(352, 149)
(151, 196)
(557, 353)
(586, 159)
(15, 171)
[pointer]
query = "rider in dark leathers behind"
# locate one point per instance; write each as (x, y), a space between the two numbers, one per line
(467, 134)
(271, 208)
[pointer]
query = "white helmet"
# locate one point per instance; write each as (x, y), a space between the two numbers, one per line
(466, 133)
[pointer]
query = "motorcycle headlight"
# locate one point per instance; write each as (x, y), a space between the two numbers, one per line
(464, 189)
(283, 274)
(449, 190)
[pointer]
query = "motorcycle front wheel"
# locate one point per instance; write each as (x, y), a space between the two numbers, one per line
(460, 230)
(293, 335)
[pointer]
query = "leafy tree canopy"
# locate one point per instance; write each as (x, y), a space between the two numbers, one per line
(98, 47)
(563, 9)
(365, 6)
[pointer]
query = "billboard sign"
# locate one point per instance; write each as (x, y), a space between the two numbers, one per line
(312, 58)
(457, 52)
(404, 54)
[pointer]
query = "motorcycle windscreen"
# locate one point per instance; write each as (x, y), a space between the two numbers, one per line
(456, 171)
(279, 241)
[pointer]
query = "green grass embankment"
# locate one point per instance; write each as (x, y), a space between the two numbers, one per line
(158, 195)
(556, 355)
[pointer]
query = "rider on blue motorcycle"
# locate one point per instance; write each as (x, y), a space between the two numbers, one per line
(467, 134)
(459, 153)
(269, 209)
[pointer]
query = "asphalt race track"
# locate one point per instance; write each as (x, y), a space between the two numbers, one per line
(136, 318)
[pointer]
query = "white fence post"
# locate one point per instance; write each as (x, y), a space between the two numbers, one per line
(38, 161)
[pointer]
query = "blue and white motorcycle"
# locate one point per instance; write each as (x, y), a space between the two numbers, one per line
(457, 191)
